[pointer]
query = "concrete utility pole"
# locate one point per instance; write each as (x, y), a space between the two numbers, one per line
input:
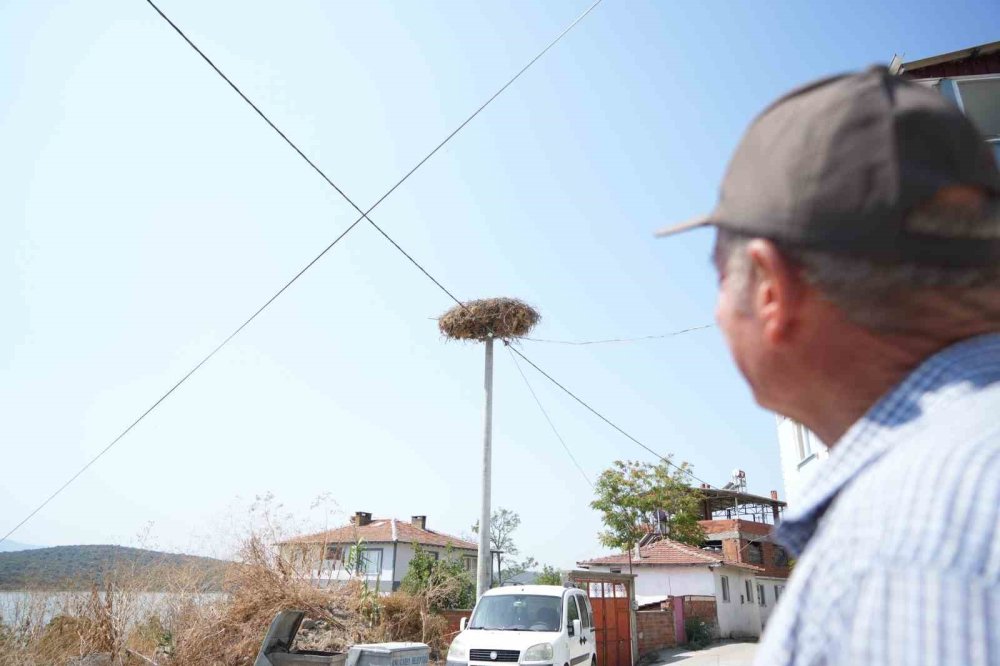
(484, 321)
(485, 562)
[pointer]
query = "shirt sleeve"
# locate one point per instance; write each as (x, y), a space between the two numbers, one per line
(914, 616)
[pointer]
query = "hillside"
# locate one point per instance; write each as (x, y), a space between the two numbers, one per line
(8, 545)
(81, 567)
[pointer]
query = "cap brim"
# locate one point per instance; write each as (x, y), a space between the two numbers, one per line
(694, 223)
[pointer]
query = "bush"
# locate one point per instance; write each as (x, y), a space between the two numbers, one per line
(699, 634)
(441, 583)
(549, 576)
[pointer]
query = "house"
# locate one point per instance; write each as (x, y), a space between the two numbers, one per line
(737, 565)
(748, 542)
(971, 79)
(738, 525)
(667, 568)
(377, 550)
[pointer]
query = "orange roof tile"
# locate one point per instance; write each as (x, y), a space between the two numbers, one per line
(385, 530)
(666, 553)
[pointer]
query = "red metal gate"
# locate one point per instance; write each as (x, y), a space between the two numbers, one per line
(611, 601)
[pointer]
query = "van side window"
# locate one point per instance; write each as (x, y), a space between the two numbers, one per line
(572, 612)
(585, 618)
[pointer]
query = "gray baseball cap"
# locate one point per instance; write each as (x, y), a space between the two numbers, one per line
(839, 163)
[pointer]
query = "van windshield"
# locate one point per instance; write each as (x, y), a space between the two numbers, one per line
(518, 612)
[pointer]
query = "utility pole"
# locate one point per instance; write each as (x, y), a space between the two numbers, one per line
(485, 561)
(484, 321)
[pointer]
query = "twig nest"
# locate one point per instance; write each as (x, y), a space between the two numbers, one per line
(489, 318)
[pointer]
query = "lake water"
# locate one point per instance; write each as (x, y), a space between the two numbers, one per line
(43, 606)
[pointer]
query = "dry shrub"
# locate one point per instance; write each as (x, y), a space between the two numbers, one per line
(262, 584)
(399, 619)
(489, 318)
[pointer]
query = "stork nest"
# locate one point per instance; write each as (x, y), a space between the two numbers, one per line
(489, 318)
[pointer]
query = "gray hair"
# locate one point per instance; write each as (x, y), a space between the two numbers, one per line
(883, 297)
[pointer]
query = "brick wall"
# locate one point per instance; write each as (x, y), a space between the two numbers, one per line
(735, 550)
(702, 608)
(454, 617)
(656, 630)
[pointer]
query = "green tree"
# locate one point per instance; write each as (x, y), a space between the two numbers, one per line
(633, 496)
(439, 582)
(549, 576)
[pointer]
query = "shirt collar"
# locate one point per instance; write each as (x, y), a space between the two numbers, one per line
(903, 408)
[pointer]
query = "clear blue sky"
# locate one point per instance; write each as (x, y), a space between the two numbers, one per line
(147, 211)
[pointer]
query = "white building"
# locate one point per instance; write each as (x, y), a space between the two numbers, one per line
(801, 454)
(376, 550)
(670, 569)
(971, 79)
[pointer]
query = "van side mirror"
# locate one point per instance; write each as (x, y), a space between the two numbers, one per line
(576, 629)
(463, 623)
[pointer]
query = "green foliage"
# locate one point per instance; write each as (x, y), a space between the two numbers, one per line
(443, 582)
(549, 576)
(82, 567)
(630, 494)
(699, 634)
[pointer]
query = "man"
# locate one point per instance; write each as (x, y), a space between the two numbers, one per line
(858, 249)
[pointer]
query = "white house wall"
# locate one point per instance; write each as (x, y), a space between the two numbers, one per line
(769, 596)
(661, 581)
(738, 617)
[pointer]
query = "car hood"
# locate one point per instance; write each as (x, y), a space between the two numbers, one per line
(487, 639)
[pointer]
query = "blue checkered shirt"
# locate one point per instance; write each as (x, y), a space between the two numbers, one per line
(899, 531)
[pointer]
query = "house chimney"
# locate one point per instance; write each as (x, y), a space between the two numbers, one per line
(420, 522)
(362, 518)
(774, 494)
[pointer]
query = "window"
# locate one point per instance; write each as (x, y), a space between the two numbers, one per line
(749, 587)
(370, 561)
(755, 554)
(572, 612)
(803, 440)
(778, 589)
(979, 101)
(334, 553)
(433, 554)
(586, 613)
(725, 588)
(469, 562)
(780, 558)
(761, 599)
(521, 612)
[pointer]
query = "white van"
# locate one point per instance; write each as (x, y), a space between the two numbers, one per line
(528, 624)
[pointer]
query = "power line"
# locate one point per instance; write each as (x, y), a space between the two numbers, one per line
(609, 340)
(182, 380)
(604, 418)
(365, 213)
(364, 216)
(546, 415)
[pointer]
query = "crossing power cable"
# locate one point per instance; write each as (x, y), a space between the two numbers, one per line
(318, 170)
(365, 213)
(643, 338)
(547, 418)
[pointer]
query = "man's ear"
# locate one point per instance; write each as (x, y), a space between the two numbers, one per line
(777, 292)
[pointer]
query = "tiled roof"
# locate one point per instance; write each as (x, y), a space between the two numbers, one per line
(666, 553)
(385, 530)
